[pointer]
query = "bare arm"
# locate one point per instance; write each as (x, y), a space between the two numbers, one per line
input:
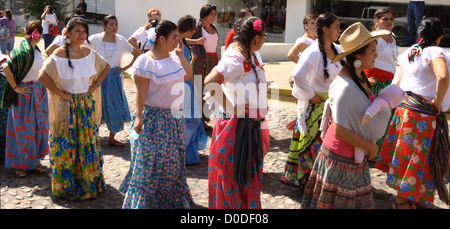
(133, 42)
(50, 49)
(48, 83)
(440, 69)
(295, 50)
(100, 78)
(142, 89)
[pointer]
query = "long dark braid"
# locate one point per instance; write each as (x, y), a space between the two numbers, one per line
(350, 63)
(324, 19)
(244, 34)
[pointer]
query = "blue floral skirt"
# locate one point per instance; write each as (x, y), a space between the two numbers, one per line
(28, 129)
(115, 109)
(157, 175)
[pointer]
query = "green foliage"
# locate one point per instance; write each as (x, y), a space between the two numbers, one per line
(2, 4)
(35, 8)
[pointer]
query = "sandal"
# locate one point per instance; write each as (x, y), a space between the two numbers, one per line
(21, 173)
(40, 169)
(396, 205)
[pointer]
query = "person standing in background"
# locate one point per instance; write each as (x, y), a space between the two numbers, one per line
(48, 18)
(7, 45)
(195, 138)
(120, 55)
(81, 9)
(230, 37)
(139, 38)
(414, 15)
(204, 57)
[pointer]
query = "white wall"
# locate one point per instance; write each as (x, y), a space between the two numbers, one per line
(132, 14)
(296, 11)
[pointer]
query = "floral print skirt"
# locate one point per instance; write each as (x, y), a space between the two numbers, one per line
(27, 129)
(157, 175)
(76, 158)
(115, 111)
(224, 192)
(405, 155)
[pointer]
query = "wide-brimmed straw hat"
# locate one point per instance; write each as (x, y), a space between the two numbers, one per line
(355, 37)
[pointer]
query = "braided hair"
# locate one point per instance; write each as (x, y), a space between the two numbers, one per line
(350, 59)
(70, 25)
(245, 33)
(324, 20)
(430, 29)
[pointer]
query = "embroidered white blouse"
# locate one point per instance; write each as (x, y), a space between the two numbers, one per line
(166, 75)
(387, 55)
(419, 78)
(237, 74)
(309, 79)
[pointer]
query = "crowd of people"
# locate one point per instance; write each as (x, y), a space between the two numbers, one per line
(354, 105)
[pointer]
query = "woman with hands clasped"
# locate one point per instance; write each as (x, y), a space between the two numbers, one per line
(73, 74)
(157, 175)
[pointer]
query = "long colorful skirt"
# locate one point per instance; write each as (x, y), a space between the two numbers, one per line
(196, 138)
(3, 120)
(115, 111)
(224, 192)
(406, 157)
(28, 129)
(76, 158)
(336, 182)
(304, 148)
(157, 175)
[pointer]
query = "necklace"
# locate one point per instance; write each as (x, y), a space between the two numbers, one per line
(114, 49)
(70, 49)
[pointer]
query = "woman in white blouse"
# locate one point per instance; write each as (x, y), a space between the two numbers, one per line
(415, 152)
(27, 126)
(157, 175)
(73, 75)
(120, 55)
(385, 65)
(139, 38)
(313, 75)
(48, 18)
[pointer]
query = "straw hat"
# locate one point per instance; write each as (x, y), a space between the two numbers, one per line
(355, 37)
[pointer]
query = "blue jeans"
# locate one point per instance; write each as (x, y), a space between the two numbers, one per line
(7, 45)
(414, 14)
(48, 39)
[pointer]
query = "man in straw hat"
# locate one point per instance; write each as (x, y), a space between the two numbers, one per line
(330, 185)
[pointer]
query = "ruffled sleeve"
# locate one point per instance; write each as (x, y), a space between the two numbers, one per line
(230, 67)
(161, 71)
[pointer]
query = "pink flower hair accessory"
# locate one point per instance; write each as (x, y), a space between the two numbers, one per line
(257, 25)
(34, 35)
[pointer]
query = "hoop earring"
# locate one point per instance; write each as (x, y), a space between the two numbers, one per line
(357, 63)
(67, 41)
